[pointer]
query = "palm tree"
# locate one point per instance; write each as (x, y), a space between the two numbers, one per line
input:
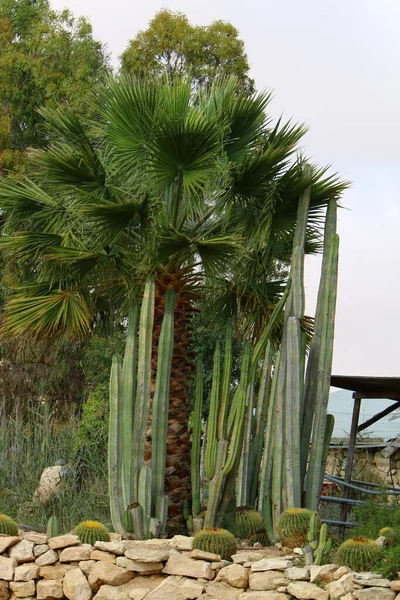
(188, 189)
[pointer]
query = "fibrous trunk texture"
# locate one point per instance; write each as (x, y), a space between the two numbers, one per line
(177, 472)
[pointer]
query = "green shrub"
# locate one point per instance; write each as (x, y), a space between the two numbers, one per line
(90, 532)
(372, 517)
(389, 564)
(293, 526)
(359, 553)
(218, 541)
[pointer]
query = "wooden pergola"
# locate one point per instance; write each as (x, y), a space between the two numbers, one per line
(362, 388)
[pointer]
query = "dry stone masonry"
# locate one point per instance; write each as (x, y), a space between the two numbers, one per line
(36, 568)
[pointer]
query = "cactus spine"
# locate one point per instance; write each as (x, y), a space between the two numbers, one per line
(52, 529)
(137, 500)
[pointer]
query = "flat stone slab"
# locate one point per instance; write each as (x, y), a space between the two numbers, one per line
(202, 555)
(147, 554)
(271, 564)
(63, 541)
(179, 564)
(8, 540)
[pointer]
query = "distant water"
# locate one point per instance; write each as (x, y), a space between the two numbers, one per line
(341, 406)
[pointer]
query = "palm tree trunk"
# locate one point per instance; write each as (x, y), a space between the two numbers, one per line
(177, 472)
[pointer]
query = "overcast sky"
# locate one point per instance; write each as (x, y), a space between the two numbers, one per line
(333, 64)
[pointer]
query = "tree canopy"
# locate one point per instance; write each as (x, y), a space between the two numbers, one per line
(172, 46)
(47, 58)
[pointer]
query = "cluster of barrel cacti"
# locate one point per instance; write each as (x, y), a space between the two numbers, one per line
(138, 502)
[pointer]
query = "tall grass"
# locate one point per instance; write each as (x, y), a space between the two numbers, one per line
(31, 442)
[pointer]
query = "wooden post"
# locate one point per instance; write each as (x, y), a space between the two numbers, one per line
(350, 457)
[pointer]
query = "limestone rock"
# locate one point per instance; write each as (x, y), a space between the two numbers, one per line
(235, 575)
(22, 589)
(47, 589)
(323, 573)
(104, 572)
(54, 571)
(76, 586)
(125, 591)
(139, 594)
(298, 551)
(297, 573)
(76, 553)
(7, 568)
(48, 558)
(176, 588)
(307, 591)
(22, 551)
(264, 596)
(374, 593)
(202, 555)
(139, 567)
(181, 542)
(179, 564)
(4, 593)
(216, 566)
(40, 549)
(8, 540)
(36, 538)
(101, 555)
(341, 571)
(86, 566)
(381, 541)
(372, 581)
(246, 557)
(341, 586)
(26, 572)
(63, 541)
(114, 547)
(367, 576)
(222, 591)
(266, 580)
(395, 585)
(271, 564)
(49, 484)
(148, 554)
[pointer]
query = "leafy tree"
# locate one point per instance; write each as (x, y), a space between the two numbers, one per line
(47, 58)
(172, 46)
(190, 193)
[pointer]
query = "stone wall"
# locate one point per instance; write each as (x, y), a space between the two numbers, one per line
(369, 465)
(34, 567)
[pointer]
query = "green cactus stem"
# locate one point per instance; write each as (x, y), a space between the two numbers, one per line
(196, 440)
(52, 529)
(226, 381)
(359, 553)
(218, 541)
(323, 549)
(211, 441)
(161, 396)
(8, 526)
(90, 532)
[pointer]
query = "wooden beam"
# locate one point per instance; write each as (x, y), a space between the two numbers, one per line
(378, 416)
(350, 456)
(377, 395)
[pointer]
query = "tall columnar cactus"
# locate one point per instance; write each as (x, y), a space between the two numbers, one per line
(321, 553)
(133, 485)
(196, 440)
(52, 529)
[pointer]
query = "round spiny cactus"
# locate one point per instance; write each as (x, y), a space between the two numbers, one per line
(248, 522)
(8, 526)
(293, 526)
(218, 541)
(90, 532)
(389, 534)
(359, 553)
(259, 536)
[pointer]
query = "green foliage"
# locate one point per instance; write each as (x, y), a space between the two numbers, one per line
(172, 46)
(90, 532)
(52, 529)
(248, 522)
(8, 526)
(390, 535)
(92, 434)
(359, 553)
(372, 517)
(293, 526)
(46, 58)
(389, 565)
(218, 541)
